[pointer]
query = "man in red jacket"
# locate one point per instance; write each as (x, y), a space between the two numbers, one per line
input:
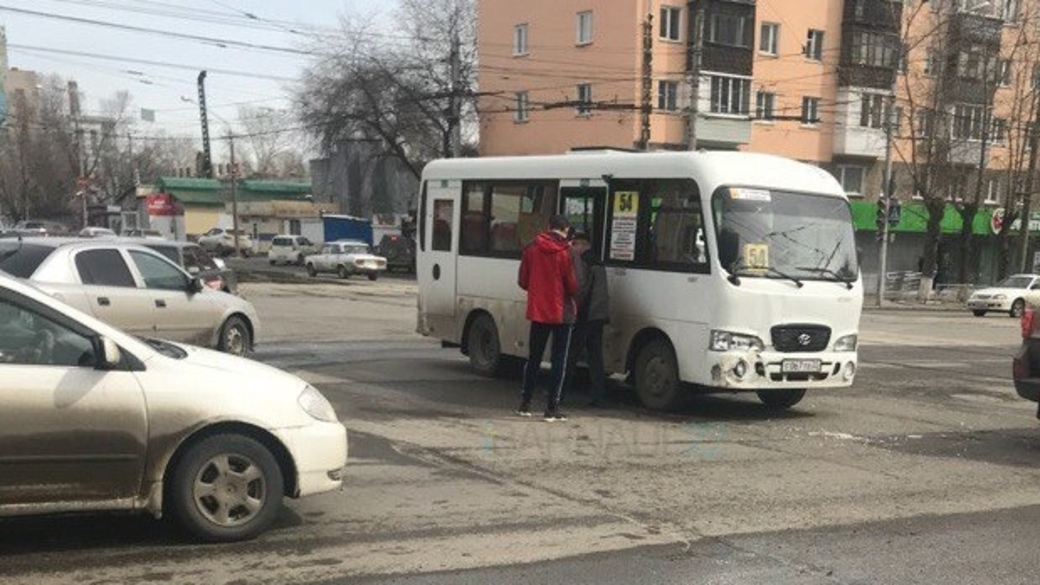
(548, 276)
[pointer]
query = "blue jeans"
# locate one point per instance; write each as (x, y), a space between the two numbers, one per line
(561, 341)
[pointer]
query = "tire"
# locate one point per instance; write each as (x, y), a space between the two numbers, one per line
(781, 399)
(273, 262)
(311, 271)
(657, 376)
(978, 312)
(1017, 308)
(235, 337)
(483, 347)
(342, 272)
(373, 276)
(226, 488)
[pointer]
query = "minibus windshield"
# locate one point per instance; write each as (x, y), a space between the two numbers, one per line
(778, 234)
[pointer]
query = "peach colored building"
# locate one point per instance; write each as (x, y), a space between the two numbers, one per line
(807, 79)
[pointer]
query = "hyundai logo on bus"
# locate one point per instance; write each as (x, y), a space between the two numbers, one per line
(804, 339)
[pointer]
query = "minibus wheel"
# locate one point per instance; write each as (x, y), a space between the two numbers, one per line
(781, 399)
(482, 345)
(657, 376)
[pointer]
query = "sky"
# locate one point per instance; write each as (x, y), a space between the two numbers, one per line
(162, 77)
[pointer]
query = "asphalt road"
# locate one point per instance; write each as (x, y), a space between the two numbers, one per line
(925, 471)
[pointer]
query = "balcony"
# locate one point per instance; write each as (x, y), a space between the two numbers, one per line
(850, 138)
(722, 132)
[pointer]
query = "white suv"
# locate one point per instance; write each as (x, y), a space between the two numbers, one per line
(291, 249)
(222, 241)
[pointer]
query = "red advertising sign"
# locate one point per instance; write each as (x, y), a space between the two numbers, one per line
(161, 204)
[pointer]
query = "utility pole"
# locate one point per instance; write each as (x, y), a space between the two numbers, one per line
(455, 115)
(82, 182)
(234, 193)
(646, 105)
(693, 69)
(207, 160)
(886, 193)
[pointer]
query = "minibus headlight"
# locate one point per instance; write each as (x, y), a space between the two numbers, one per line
(846, 343)
(727, 340)
(1000, 297)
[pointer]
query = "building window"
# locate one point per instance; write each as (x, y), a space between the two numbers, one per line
(932, 63)
(997, 130)
(874, 49)
(584, 106)
(1003, 73)
(521, 106)
(810, 110)
(814, 45)
(729, 29)
(968, 122)
(584, 24)
(769, 38)
(1036, 76)
(992, 190)
(1010, 11)
(730, 95)
(765, 102)
(851, 178)
(668, 95)
(872, 110)
(925, 120)
(971, 65)
(520, 39)
(671, 18)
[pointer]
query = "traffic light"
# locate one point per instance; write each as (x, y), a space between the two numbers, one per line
(882, 216)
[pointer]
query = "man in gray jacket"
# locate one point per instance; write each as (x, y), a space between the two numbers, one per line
(593, 313)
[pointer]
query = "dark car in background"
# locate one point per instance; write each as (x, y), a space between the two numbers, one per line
(1025, 367)
(399, 252)
(213, 272)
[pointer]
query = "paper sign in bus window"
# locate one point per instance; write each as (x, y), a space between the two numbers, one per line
(756, 256)
(623, 225)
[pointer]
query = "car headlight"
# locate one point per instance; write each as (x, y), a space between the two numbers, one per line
(316, 405)
(846, 343)
(1000, 297)
(727, 340)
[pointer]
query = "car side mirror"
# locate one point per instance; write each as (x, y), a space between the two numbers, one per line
(195, 285)
(109, 355)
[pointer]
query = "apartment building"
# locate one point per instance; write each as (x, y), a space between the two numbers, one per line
(815, 80)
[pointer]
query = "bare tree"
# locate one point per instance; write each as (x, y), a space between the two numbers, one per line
(271, 141)
(413, 96)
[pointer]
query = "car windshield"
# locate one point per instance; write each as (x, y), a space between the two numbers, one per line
(779, 234)
(20, 259)
(1015, 282)
(355, 249)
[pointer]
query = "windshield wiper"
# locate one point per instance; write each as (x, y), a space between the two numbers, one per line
(846, 281)
(738, 266)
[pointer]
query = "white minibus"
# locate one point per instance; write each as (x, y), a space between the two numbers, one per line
(727, 271)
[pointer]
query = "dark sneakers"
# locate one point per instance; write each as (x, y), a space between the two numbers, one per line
(524, 411)
(555, 416)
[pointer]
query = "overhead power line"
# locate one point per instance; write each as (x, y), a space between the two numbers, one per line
(219, 42)
(148, 62)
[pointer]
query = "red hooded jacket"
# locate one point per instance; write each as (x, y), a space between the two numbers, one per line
(547, 274)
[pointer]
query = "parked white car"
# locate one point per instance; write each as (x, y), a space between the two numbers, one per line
(291, 249)
(346, 257)
(96, 232)
(95, 419)
(135, 289)
(1007, 296)
(221, 241)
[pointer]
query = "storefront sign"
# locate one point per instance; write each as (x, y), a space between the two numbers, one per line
(161, 204)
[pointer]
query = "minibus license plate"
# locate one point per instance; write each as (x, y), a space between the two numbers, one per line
(800, 366)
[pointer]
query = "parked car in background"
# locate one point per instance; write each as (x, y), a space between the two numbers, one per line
(221, 241)
(346, 258)
(133, 288)
(95, 419)
(213, 272)
(291, 249)
(139, 233)
(1025, 367)
(42, 228)
(1007, 296)
(399, 252)
(96, 232)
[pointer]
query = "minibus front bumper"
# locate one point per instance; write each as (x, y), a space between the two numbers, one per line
(759, 370)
